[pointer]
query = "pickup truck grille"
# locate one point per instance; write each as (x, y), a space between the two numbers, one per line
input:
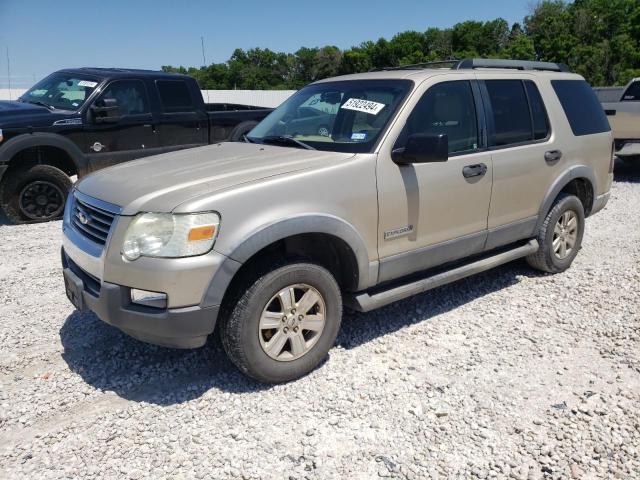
(91, 220)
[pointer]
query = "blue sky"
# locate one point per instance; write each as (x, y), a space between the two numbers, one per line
(43, 36)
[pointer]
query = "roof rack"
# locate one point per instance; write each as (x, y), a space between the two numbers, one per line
(472, 63)
(418, 66)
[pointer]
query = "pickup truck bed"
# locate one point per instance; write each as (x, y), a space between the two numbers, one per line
(622, 106)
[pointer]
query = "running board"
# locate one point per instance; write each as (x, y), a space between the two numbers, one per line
(365, 302)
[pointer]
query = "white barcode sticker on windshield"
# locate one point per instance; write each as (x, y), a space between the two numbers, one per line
(87, 83)
(366, 106)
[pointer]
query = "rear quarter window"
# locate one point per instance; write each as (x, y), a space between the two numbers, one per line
(175, 96)
(581, 106)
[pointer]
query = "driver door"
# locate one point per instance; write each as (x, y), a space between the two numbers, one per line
(433, 213)
(132, 136)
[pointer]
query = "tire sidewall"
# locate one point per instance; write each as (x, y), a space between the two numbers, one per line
(263, 367)
(16, 180)
(567, 203)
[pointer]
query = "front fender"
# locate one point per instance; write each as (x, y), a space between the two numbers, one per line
(16, 144)
(268, 234)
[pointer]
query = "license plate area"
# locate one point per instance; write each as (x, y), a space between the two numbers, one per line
(74, 287)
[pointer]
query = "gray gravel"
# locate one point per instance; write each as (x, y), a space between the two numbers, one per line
(510, 374)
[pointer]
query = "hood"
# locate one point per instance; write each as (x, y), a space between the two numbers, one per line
(21, 114)
(160, 183)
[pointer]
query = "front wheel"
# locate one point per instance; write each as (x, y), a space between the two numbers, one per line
(560, 236)
(284, 323)
(34, 193)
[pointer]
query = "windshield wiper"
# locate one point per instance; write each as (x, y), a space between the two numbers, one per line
(286, 140)
(42, 104)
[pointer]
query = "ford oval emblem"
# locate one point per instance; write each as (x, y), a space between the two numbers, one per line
(83, 218)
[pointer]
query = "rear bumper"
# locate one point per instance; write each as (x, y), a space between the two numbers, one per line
(186, 327)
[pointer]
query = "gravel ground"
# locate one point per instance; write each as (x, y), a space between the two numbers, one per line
(509, 374)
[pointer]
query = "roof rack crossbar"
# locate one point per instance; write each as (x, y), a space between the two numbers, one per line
(471, 63)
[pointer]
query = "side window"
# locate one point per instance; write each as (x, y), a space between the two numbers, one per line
(511, 116)
(447, 107)
(538, 112)
(633, 92)
(581, 106)
(175, 96)
(131, 96)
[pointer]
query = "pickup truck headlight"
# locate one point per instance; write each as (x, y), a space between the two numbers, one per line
(170, 235)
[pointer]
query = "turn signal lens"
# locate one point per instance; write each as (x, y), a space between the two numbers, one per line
(206, 232)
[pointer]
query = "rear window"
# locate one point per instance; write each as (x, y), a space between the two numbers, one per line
(581, 105)
(175, 96)
(633, 93)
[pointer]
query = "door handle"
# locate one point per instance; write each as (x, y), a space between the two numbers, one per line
(552, 156)
(477, 170)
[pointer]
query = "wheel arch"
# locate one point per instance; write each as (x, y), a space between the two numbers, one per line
(16, 145)
(343, 251)
(580, 181)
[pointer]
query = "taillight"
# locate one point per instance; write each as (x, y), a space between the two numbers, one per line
(613, 157)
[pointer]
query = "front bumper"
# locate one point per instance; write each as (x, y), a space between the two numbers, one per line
(600, 202)
(186, 327)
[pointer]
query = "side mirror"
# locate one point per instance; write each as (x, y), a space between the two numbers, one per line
(423, 148)
(105, 110)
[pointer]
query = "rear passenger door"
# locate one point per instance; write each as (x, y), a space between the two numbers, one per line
(181, 124)
(524, 154)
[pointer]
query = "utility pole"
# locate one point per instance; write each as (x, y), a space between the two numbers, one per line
(9, 73)
(204, 60)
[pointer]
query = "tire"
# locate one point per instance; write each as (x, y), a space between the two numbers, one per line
(34, 193)
(241, 130)
(246, 339)
(548, 258)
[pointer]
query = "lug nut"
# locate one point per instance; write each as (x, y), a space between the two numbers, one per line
(295, 329)
(284, 319)
(293, 310)
(286, 329)
(300, 317)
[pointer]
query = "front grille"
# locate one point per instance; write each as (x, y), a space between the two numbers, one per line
(91, 220)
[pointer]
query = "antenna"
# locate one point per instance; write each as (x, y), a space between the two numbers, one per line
(9, 73)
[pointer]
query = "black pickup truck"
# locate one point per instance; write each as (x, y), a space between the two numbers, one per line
(76, 121)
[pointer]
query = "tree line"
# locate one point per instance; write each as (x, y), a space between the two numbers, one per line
(600, 39)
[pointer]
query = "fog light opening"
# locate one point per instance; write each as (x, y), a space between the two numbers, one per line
(149, 299)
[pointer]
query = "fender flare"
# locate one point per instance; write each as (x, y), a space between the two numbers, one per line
(41, 139)
(266, 235)
(578, 171)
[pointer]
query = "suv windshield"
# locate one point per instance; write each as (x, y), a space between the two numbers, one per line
(342, 116)
(61, 91)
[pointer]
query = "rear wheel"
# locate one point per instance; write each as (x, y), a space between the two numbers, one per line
(284, 323)
(34, 193)
(560, 236)
(238, 133)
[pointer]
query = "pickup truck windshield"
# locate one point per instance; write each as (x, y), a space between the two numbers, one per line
(61, 92)
(343, 116)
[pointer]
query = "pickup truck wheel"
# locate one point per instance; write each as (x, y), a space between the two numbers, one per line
(560, 236)
(35, 193)
(284, 324)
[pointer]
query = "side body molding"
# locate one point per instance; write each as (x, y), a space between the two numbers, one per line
(42, 139)
(266, 235)
(578, 171)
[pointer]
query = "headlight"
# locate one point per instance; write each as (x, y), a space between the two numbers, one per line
(170, 236)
